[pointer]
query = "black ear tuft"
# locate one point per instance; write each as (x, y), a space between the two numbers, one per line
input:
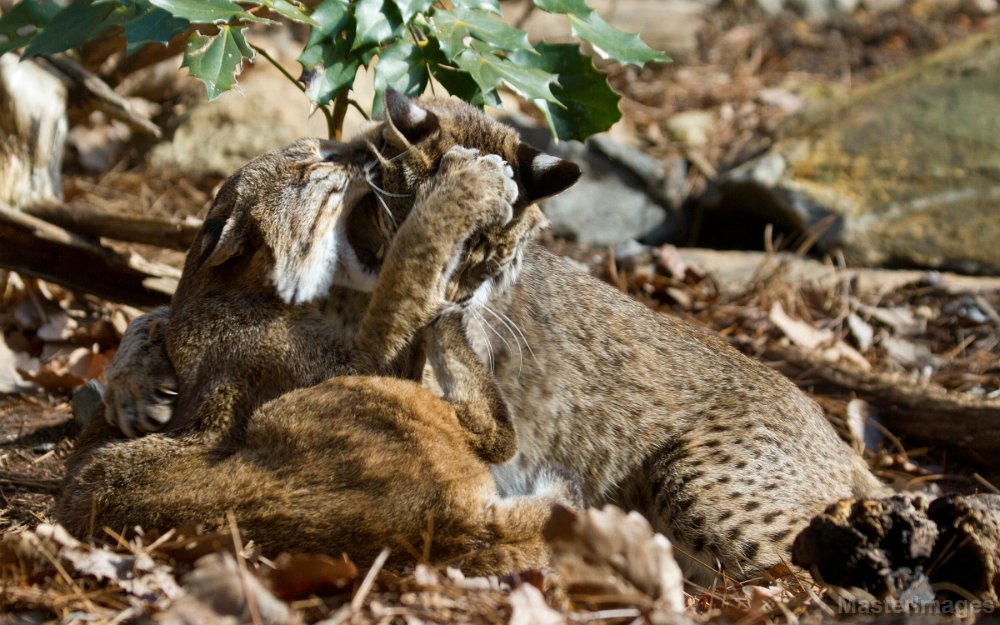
(411, 120)
(543, 174)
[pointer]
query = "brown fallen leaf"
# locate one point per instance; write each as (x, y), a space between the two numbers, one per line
(10, 380)
(36, 551)
(218, 583)
(528, 607)
(608, 557)
(823, 341)
(302, 575)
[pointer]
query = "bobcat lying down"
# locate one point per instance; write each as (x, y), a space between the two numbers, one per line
(725, 456)
(282, 419)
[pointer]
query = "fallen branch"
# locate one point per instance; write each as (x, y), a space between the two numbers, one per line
(104, 97)
(931, 415)
(35, 247)
(37, 484)
(90, 221)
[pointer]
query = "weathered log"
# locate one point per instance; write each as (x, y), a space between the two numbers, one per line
(93, 222)
(930, 415)
(32, 132)
(37, 248)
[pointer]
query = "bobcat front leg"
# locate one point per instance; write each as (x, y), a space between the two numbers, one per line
(469, 387)
(468, 193)
(141, 384)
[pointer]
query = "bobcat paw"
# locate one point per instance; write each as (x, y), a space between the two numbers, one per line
(486, 180)
(141, 387)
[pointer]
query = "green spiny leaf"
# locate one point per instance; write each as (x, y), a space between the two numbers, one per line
(492, 6)
(409, 8)
(612, 43)
(331, 18)
(378, 21)
(608, 41)
(289, 9)
(22, 22)
(455, 81)
(453, 28)
(403, 67)
(72, 26)
(586, 103)
(488, 70)
(217, 60)
(151, 24)
(205, 11)
(328, 56)
(571, 7)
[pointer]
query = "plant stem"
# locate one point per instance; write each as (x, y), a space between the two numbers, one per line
(330, 125)
(359, 109)
(339, 111)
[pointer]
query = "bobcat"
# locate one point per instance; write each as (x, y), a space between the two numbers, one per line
(292, 425)
(725, 456)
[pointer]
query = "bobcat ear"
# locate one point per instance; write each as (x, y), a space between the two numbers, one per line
(407, 118)
(220, 240)
(543, 174)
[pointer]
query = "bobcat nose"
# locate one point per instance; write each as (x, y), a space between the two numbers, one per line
(330, 150)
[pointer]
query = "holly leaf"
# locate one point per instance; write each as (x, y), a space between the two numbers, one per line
(217, 60)
(489, 70)
(586, 103)
(455, 27)
(455, 81)
(608, 41)
(403, 67)
(378, 21)
(409, 8)
(151, 24)
(611, 43)
(328, 60)
(491, 6)
(22, 22)
(206, 11)
(72, 26)
(330, 19)
(571, 7)
(289, 9)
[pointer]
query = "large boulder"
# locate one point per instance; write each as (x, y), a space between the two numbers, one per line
(905, 171)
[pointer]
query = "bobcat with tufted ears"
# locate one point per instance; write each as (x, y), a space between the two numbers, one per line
(725, 456)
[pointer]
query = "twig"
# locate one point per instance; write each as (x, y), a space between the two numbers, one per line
(104, 96)
(294, 81)
(522, 19)
(43, 485)
(244, 572)
(366, 585)
(359, 108)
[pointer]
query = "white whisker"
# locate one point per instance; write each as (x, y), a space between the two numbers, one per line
(489, 348)
(499, 336)
(518, 330)
(506, 325)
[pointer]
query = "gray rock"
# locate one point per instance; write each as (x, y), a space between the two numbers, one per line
(905, 171)
(623, 194)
